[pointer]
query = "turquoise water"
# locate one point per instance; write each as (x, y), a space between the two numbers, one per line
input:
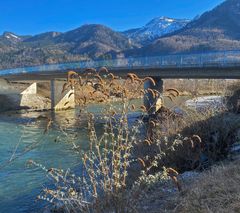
(21, 184)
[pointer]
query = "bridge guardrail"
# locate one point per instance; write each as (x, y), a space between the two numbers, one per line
(217, 59)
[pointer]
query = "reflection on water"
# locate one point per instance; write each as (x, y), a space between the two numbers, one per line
(20, 185)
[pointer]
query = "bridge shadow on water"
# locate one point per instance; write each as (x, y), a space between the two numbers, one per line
(11, 102)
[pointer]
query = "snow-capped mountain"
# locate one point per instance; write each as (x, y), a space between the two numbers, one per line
(12, 37)
(155, 28)
(215, 30)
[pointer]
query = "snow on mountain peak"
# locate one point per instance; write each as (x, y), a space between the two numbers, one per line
(156, 28)
(164, 18)
(11, 36)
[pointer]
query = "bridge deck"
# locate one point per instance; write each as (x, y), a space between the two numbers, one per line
(224, 65)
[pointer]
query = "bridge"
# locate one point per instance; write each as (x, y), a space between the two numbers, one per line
(211, 65)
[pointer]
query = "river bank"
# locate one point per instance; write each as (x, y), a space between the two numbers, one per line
(12, 99)
(214, 190)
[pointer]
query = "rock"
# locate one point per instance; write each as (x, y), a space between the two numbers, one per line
(199, 103)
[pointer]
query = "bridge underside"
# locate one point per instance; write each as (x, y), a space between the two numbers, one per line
(66, 100)
(25, 95)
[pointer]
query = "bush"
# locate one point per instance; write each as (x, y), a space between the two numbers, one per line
(233, 100)
(127, 151)
(102, 183)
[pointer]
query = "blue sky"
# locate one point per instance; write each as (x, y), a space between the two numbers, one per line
(36, 16)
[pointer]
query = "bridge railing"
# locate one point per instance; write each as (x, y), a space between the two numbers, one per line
(216, 59)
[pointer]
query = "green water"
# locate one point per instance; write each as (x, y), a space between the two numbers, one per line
(19, 183)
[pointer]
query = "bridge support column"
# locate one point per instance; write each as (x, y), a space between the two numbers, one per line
(153, 104)
(61, 100)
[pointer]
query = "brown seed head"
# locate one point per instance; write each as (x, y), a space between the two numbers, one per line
(142, 162)
(172, 172)
(150, 79)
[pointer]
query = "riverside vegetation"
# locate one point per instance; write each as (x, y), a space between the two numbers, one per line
(128, 159)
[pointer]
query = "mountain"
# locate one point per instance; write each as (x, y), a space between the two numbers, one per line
(92, 40)
(9, 42)
(215, 30)
(155, 29)
(42, 39)
(88, 41)
(12, 37)
(95, 40)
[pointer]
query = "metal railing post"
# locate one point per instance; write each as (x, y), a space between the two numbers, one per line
(145, 61)
(181, 61)
(200, 61)
(224, 58)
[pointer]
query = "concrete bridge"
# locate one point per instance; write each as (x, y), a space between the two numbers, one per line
(211, 65)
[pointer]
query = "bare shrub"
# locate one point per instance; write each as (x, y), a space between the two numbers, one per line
(233, 100)
(102, 183)
(125, 151)
(190, 140)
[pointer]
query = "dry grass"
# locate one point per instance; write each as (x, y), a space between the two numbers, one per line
(217, 190)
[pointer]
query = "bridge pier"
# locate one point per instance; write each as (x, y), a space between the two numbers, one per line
(153, 104)
(61, 100)
(4, 86)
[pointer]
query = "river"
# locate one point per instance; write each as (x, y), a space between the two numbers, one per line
(20, 184)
